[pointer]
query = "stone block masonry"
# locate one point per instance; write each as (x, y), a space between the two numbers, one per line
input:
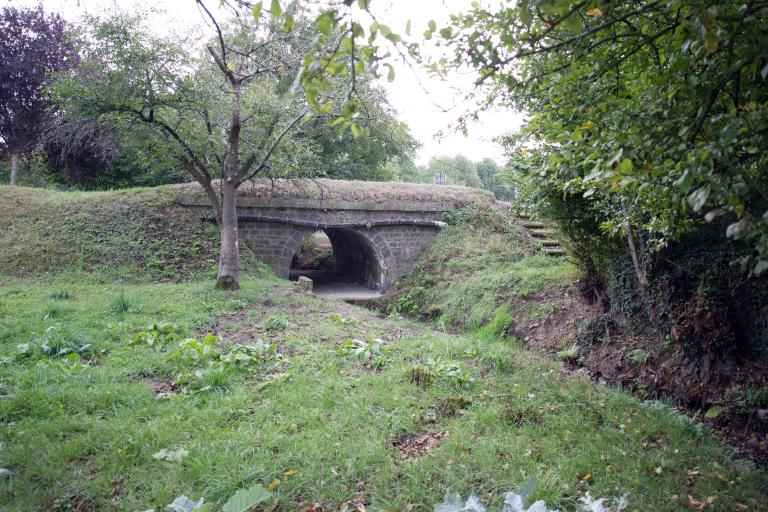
(376, 239)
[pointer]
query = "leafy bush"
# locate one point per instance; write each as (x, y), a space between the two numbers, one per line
(158, 333)
(433, 369)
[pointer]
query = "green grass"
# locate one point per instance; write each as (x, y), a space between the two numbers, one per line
(476, 265)
(83, 429)
(128, 235)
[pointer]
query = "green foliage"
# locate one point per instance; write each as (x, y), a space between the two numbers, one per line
(459, 170)
(369, 350)
(569, 354)
(384, 146)
(55, 310)
(492, 179)
(497, 327)
(157, 334)
(214, 378)
(202, 350)
(439, 369)
(59, 342)
(338, 319)
(247, 356)
(748, 400)
(274, 323)
(637, 356)
(242, 501)
(652, 114)
(121, 304)
(690, 281)
(60, 294)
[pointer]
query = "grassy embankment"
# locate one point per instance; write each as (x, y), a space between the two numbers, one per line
(85, 407)
(485, 274)
(128, 235)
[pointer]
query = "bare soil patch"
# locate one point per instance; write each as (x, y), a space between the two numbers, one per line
(162, 386)
(417, 444)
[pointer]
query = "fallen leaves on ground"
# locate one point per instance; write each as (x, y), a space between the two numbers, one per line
(417, 444)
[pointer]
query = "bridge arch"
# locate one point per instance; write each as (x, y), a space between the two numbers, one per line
(359, 254)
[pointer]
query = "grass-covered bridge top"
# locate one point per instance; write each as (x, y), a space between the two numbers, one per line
(341, 194)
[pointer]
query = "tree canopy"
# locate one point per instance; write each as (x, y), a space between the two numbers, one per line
(654, 113)
(33, 45)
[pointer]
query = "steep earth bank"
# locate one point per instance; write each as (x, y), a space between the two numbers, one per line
(486, 274)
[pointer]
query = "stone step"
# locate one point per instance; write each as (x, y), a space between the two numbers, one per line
(523, 216)
(552, 251)
(549, 242)
(531, 224)
(541, 232)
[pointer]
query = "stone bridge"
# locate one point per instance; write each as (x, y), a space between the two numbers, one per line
(377, 230)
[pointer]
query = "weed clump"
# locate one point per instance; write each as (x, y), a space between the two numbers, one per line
(121, 304)
(274, 323)
(60, 294)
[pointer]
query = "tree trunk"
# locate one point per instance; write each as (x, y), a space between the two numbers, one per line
(14, 167)
(229, 257)
(642, 280)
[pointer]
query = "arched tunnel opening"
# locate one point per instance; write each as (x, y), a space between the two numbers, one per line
(341, 262)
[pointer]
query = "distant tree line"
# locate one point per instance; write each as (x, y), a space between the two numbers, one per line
(460, 170)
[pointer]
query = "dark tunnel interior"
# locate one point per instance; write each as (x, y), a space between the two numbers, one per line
(337, 258)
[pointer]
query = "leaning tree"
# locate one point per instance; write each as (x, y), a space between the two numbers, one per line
(32, 46)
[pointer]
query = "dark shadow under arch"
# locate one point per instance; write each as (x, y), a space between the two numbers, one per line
(355, 259)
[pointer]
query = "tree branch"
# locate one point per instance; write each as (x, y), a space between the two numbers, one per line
(252, 159)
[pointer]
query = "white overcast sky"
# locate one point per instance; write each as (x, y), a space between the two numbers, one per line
(420, 99)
